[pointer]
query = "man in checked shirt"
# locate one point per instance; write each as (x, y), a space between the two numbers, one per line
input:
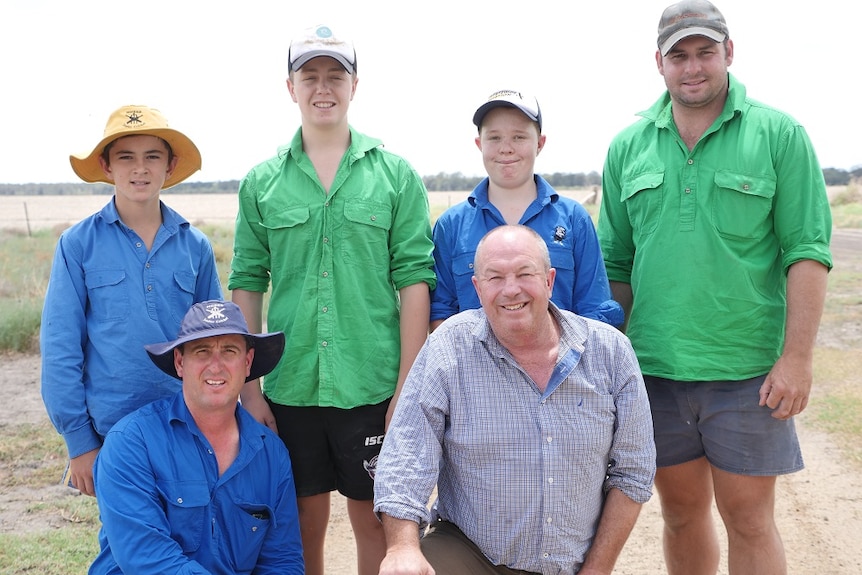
(533, 423)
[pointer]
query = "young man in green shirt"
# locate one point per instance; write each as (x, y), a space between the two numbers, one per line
(715, 229)
(342, 229)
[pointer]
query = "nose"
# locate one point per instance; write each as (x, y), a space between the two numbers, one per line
(323, 86)
(507, 146)
(512, 286)
(216, 362)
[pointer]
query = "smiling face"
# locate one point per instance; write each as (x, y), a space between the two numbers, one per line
(695, 72)
(509, 142)
(514, 281)
(323, 89)
(213, 370)
(138, 166)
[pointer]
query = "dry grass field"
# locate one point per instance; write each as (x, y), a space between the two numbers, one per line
(31, 213)
(819, 509)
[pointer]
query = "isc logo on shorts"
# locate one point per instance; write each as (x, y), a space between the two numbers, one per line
(374, 440)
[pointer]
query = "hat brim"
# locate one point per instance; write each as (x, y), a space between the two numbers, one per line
(188, 156)
(302, 60)
(483, 110)
(268, 350)
(672, 40)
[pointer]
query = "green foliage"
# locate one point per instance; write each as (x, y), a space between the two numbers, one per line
(32, 456)
(458, 182)
(25, 264)
(84, 189)
(837, 400)
(836, 177)
(67, 551)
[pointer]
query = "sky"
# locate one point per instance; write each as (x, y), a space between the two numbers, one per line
(217, 71)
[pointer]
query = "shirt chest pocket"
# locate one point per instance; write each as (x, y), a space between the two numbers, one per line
(643, 195)
(462, 270)
(365, 235)
(290, 240)
(742, 205)
(108, 292)
(186, 504)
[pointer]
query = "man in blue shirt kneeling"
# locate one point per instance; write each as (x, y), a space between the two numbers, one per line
(193, 483)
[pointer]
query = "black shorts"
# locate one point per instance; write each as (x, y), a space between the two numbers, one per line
(332, 448)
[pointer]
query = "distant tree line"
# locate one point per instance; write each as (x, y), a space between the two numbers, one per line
(84, 189)
(442, 182)
(836, 177)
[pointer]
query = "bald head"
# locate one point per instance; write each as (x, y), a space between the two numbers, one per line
(514, 236)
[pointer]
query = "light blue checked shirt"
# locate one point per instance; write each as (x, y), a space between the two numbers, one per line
(522, 473)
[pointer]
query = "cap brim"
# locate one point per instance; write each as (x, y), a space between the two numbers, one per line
(268, 350)
(302, 60)
(671, 41)
(188, 156)
(483, 110)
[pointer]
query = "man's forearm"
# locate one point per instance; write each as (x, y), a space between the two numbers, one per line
(806, 294)
(615, 525)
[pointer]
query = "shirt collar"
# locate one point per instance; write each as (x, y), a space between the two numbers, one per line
(545, 194)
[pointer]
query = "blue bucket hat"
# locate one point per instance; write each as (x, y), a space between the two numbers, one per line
(216, 317)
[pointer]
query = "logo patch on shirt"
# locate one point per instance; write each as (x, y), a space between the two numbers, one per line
(559, 234)
(216, 313)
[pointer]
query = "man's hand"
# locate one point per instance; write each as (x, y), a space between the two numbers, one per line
(405, 562)
(255, 403)
(787, 386)
(403, 554)
(81, 472)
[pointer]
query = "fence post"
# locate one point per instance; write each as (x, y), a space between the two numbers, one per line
(27, 219)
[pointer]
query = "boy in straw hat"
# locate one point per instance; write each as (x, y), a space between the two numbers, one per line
(192, 483)
(123, 276)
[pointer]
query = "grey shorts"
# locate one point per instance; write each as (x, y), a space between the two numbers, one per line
(722, 421)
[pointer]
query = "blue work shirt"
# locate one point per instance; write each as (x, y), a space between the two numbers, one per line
(581, 285)
(164, 508)
(108, 296)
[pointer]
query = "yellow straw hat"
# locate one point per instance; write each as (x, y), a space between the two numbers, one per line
(139, 121)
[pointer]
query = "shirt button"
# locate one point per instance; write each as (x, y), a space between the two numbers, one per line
(550, 520)
(690, 161)
(471, 265)
(253, 529)
(180, 500)
(324, 343)
(745, 187)
(147, 265)
(326, 205)
(149, 288)
(324, 309)
(550, 479)
(326, 274)
(373, 218)
(138, 244)
(325, 240)
(688, 190)
(550, 439)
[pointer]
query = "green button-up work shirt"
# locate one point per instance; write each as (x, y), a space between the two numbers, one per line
(335, 262)
(705, 237)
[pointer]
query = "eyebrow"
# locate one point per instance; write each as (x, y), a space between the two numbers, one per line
(528, 267)
(153, 151)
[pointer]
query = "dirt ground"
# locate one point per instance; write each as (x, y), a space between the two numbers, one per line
(819, 509)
